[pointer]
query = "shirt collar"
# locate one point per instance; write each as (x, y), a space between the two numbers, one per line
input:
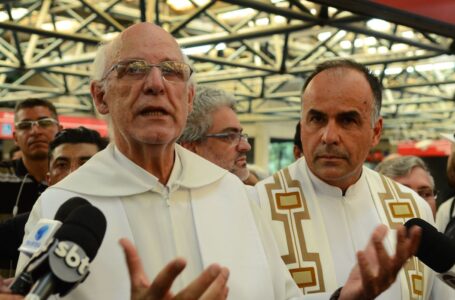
(110, 173)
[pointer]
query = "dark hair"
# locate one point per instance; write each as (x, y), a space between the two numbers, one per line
(33, 102)
(76, 136)
(373, 81)
(297, 140)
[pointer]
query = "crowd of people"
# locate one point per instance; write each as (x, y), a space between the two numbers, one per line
(172, 185)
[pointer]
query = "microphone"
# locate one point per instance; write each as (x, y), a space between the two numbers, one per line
(43, 232)
(435, 250)
(64, 264)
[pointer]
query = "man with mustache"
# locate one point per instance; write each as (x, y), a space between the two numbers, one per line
(213, 131)
(324, 206)
(23, 180)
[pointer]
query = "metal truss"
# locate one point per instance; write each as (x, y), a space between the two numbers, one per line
(261, 51)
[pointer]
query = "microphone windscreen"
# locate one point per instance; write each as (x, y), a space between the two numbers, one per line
(435, 250)
(86, 227)
(66, 208)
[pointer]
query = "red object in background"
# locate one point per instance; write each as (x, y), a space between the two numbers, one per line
(7, 124)
(425, 148)
(440, 10)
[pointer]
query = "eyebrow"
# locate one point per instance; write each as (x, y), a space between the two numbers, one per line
(351, 113)
(232, 129)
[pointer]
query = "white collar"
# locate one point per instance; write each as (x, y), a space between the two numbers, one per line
(110, 173)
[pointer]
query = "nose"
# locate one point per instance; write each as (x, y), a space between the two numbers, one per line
(330, 133)
(35, 128)
(154, 82)
(73, 167)
(243, 146)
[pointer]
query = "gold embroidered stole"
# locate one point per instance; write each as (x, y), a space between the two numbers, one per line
(301, 233)
(299, 229)
(395, 207)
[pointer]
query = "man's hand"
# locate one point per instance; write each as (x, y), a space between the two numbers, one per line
(210, 285)
(5, 293)
(376, 270)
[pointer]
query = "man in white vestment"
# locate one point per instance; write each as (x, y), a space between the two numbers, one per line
(169, 202)
(325, 205)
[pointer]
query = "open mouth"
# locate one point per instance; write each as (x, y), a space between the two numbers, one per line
(153, 112)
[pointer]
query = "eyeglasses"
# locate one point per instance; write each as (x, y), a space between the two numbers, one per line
(173, 71)
(231, 137)
(427, 193)
(43, 123)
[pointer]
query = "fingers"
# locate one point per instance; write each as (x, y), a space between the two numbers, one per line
(162, 283)
(218, 289)
(407, 245)
(385, 274)
(211, 283)
(366, 274)
(137, 275)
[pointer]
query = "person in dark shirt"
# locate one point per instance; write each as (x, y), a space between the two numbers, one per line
(23, 180)
(70, 149)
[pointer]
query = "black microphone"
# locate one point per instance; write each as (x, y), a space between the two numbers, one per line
(65, 262)
(435, 250)
(42, 234)
(68, 206)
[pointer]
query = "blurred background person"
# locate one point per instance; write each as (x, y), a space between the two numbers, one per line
(70, 149)
(213, 131)
(23, 180)
(412, 172)
(445, 217)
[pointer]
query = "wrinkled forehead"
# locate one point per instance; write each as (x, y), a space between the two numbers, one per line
(147, 41)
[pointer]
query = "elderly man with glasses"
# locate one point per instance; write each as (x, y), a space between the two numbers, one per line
(24, 179)
(170, 202)
(213, 131)
(412, 172)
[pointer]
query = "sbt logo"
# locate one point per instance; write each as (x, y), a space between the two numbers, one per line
(73, 255)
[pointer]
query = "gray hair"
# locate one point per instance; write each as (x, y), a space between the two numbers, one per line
(206, 101)
(402, 166)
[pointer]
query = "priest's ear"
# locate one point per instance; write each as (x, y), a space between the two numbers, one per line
(97, 90)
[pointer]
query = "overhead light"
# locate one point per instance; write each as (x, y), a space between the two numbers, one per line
(408, 34)
(345, 44)
(324, 35)
(410, 69)
(399, 47)
(358, 43)
(236, 14)
(197, 50)
(435, 66)
(182, 5)
(372, 50)
(393, 71)
(279, 19)
(383, 50)
(370, 41)
(110, 36)
(63, 25)
(262, 22)
(16, 13)
(378, 24)
(220, 46)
